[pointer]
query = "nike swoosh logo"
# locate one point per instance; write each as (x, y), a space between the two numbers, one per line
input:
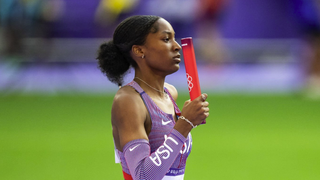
(165, 122)
(131, 149)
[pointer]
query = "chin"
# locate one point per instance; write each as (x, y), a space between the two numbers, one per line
(177, 67)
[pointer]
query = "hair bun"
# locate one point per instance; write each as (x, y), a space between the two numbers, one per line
(108, 48)
(115, 56)
(112, 62)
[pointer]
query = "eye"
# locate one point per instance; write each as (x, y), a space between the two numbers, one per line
(166, 39)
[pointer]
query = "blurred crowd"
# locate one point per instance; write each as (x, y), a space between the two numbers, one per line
(307, 13)
(21, 19)
(39, 21)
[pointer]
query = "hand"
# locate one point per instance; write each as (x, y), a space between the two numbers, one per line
(196, 111)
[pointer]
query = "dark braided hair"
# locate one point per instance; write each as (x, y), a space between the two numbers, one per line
(114, 57)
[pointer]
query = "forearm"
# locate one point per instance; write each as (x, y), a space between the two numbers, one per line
(143, 165)
(183, 127)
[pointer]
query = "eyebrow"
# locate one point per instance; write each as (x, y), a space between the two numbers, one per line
(168, 32)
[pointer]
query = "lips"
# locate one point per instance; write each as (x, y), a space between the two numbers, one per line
(177, 58)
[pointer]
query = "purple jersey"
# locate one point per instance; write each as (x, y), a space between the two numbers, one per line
(162, 125)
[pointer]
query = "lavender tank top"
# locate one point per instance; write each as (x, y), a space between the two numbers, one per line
(162, 124)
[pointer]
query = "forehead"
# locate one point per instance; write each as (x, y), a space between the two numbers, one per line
(164, 26)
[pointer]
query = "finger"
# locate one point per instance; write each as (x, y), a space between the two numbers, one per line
(204, 96)
(206, 109)
(205, 104)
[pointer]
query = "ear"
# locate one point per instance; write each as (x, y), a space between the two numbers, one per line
(137, 51)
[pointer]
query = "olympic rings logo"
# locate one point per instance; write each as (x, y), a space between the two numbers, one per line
(189, 80)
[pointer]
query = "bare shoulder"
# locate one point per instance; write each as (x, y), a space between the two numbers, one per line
(173, 91)
(126, 93)
(126, 100)
(128, 116)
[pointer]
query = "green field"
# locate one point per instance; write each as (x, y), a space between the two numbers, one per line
(275, 137)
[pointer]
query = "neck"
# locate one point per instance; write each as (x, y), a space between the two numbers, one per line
(153, 85)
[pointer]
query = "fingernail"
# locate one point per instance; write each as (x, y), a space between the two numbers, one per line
(203, 97)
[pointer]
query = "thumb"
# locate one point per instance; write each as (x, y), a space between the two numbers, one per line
(202, 97)
(187, 102)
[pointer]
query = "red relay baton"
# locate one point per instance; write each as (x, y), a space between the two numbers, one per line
(191, 68)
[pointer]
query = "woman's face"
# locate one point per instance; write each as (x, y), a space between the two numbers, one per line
(161, 49)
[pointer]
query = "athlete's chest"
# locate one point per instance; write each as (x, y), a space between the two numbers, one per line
(166, 105)
(162, 115)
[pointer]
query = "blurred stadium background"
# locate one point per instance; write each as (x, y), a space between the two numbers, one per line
(255, 60)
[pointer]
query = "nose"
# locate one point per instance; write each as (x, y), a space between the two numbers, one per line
(177, 47)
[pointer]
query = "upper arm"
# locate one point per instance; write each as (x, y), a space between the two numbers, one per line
(128, 117)
(173, 91)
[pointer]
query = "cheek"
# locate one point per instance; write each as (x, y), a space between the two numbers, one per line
(157, 52)
(163, 50)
